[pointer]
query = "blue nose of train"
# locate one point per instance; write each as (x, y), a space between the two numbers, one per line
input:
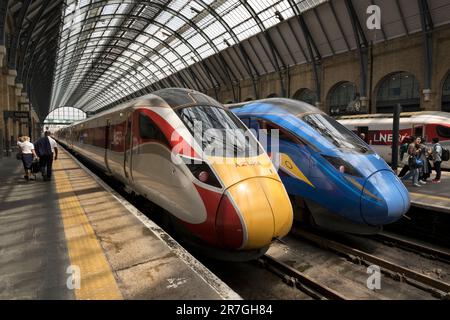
(384, 199)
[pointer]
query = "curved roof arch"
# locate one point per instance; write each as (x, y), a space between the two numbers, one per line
(93, 54)
(64, 116)
(125, 48)
(191, 31)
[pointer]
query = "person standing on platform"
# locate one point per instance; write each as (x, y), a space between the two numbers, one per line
(404, 157)
(44, 151)
(437, 158)
(363, 137)
(54, 146)
(27, 153)
(425, 170)
(414, 151)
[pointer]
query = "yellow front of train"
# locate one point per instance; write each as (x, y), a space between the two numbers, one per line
(255, 208)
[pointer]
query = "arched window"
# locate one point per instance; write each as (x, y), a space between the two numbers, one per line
(401, 87)
(306, 95)
(340, 97)
(63, 116)
(446, 95)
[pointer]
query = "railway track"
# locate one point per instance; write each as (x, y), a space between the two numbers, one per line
(409, 245)
(299, 280)
(438, 288)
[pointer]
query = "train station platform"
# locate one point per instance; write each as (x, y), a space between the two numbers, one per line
(74, 238)
(432, 196)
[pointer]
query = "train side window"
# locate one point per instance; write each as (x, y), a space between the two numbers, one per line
(283, 134)
(418, 131)
(148, 130)
(443, 132)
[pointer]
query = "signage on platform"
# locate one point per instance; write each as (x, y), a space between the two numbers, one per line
(16, 114)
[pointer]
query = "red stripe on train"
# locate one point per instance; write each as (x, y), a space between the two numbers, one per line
(178, 144)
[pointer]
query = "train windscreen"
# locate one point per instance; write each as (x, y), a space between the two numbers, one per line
(219, 132)
(336, 133)
(443, 132)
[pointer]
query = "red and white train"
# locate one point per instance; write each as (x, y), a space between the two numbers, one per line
(379, 134)
(232, 208)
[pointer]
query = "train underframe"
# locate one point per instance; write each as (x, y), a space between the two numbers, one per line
(311, 214)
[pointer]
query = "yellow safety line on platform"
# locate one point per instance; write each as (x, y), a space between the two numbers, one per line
(422, 195)
(85, 251)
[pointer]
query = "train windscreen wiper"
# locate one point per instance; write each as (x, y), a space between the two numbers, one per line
(323, 131)
(327, 133)
(343, 143)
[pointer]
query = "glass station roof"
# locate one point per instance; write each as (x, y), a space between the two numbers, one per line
(65, 114)
(109, 49)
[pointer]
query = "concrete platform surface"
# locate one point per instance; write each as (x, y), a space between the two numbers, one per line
(432, 196)
(75, 238)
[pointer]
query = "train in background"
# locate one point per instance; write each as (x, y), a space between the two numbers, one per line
(335, 180)
(378, 129)
(231, 210)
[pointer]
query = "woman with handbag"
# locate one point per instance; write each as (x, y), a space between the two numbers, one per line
(425, 169)
(27, 155)
(404, 156)
(414, 162)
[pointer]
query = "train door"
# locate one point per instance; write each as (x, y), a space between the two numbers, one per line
(128, 148)
(108, 135)
(419, 131)
(365, 131)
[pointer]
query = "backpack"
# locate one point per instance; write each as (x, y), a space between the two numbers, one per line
(404, 148)
(445, 154)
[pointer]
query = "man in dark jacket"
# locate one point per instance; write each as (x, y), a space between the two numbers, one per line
(44, 151)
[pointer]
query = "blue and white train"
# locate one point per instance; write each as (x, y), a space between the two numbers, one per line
(335, 179)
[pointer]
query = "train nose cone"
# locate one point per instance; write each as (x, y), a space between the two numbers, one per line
(384, 199)
(264, 208)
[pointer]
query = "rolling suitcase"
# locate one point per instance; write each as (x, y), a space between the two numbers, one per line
(35, 167)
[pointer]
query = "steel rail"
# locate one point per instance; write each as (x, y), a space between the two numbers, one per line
(299, 280)
(427, 251)
(421, 281)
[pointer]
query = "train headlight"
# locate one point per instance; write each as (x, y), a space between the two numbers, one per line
(343, 166)
(203, 176)
(203, 173)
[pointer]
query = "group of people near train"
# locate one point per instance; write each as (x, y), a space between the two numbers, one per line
(417, 159)
(42, 152)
